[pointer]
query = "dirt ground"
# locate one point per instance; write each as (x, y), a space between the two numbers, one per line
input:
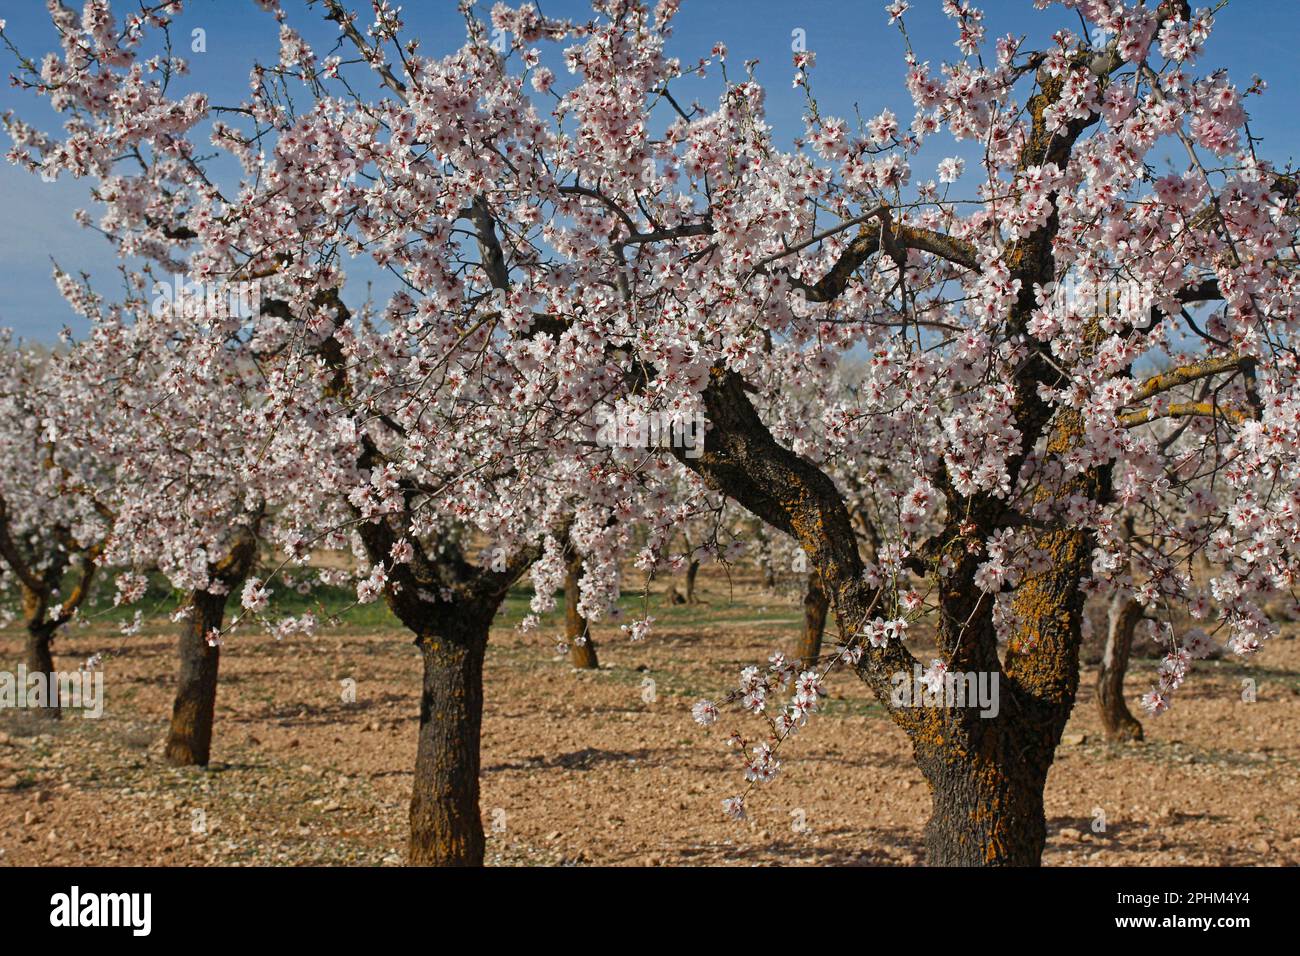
(601, 768)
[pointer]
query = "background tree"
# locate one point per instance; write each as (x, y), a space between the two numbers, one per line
(52, 529)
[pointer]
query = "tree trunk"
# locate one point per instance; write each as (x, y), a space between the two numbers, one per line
(582, 649)
(1122, 618)
(691, 571)
(987, 803)
(765, 558)
(986, 770)
(815, 606)
(446, 827)
(189, 741)
(40, 660)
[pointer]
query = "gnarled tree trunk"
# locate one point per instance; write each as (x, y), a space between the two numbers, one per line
(815, 606)
(1122, 618)
(189, 740)
(986, 770)
(582, 649)
(986, 784)
(446, 826)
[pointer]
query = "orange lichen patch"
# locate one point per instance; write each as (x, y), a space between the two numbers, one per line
(1183, 410)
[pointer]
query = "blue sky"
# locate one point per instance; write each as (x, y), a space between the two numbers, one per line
(859, 62)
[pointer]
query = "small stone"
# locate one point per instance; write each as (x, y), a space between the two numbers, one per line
(1071, 834)
(1074, 740)
(10, 782)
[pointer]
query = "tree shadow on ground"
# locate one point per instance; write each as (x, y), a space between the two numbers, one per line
(584, 759)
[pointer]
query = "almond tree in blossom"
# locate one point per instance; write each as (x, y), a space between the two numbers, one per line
(163, 396)
(445, 523)
(52, 528)
(562, 246)
(1044, 423)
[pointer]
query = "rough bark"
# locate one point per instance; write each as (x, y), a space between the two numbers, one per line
(42, 614)
(582, 648)
(40, 660)
(448, 603)
(815, 607)
(446, 826)
(1122, 619)
(189, 739)
(38, 648)
(986, 781)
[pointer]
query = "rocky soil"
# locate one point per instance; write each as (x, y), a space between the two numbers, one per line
(606, 767)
